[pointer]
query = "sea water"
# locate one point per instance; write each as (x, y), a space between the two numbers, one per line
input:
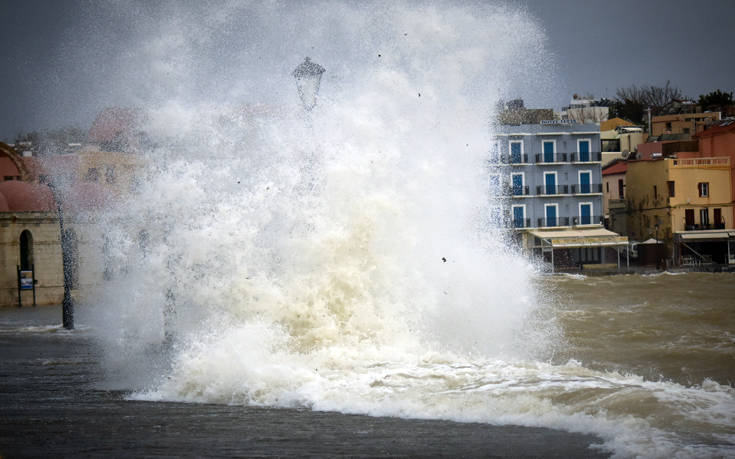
(345, 258)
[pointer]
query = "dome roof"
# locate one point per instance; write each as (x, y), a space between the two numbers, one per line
(23, 196)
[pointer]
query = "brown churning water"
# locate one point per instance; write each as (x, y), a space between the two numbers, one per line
(676, 327)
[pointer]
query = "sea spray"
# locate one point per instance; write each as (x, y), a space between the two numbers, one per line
(345, 259)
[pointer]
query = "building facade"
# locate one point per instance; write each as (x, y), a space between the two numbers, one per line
(682, 123)
(681, 199)
(550, 173)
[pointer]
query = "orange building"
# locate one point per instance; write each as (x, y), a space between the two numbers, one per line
(719, 141)
(682, 123)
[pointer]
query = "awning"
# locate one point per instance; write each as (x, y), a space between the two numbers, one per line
(568, 239)
(704, 235)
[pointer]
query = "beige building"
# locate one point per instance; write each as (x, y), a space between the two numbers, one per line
(673, 196)
(29, 242)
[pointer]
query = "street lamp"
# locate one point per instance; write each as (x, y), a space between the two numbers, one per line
(67, 305)
(308, 75)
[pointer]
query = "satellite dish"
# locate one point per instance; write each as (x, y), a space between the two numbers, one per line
(626, 153)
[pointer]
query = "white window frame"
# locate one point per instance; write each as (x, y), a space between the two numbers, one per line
(703, 191)
(702, 212)
(579, 180)
(510, 151)
(556, 181)
(558, 217)
(592, 212)
(512, 214)
(523, 181)
(553, 141)
(588, 140)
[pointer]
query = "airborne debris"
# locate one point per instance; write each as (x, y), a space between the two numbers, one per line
(444, 259)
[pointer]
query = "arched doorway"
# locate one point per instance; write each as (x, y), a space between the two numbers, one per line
(26, 250)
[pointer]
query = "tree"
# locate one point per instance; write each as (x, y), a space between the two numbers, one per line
(715, 100)
(632, 102)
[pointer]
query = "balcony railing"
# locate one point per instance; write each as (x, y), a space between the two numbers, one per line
(550, 222)
(519, 190)
(587, 188)
(709, 226)
(577, 157)
(521, 222)
(588, 220)
(545, 158)
(552, 189)
(542, 158)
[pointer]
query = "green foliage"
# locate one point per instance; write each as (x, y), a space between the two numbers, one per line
(715, 100)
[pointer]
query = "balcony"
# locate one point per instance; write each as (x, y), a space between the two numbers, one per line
(550, 190)
(587, 188)
(517, 190)
(521, 223)
(546, 158)
(709, 226)
(587, 220)
(590, 157)
(519, 159)
(552, 222)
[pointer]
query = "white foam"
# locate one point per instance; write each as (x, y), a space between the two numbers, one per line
(343, 260)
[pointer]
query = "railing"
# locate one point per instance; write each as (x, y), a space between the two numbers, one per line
(516, 190)
(542, 158)
(589, 220)
(547, 158)
(704, 163)
(550, 222)
(519, 158)
(552, 189)
(587, 188)
(709, 226)
(521, 222)
(578, 157)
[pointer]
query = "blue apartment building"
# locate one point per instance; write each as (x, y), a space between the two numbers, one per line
(550, 176)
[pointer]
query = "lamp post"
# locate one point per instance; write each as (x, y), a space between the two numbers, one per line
(67, 305)
(308, 75)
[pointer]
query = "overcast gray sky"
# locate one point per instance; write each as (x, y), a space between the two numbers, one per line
(63, 61)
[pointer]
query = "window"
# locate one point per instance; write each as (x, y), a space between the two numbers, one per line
(519, 216)
(551, 212)
(621, 189)
(607, 187)
(668, 126)
(703, 188)
(718, 218)
(26, 250)
(585, 213)
(549, 148)
(672, 190)
(549, 183)
(686, 130)
(516, 151)
(585, 181)
(655, 192)
(517, 181)
(689, 217)
(704, 217)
